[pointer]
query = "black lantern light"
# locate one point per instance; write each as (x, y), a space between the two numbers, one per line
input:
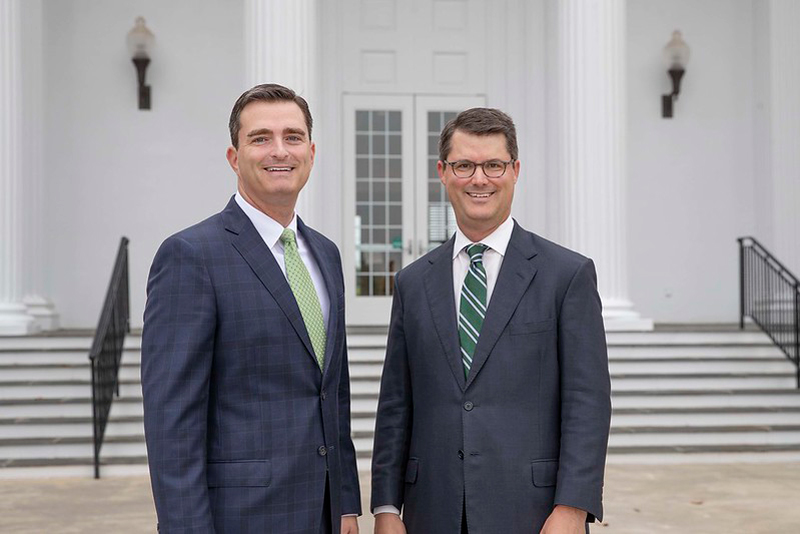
(676, 56)
(140, 43)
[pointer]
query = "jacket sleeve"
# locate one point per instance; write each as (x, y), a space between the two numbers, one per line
(394, 418)
(177, 350)
(351, 494)
(585, 395)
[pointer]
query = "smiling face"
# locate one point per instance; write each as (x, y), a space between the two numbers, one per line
(274, 158)
(481, 204)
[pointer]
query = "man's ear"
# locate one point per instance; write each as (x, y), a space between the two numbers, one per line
(440, 168)
(516, 170)
(233, 158)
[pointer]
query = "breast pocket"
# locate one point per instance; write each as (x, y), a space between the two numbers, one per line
(246, 473)
(532, 327)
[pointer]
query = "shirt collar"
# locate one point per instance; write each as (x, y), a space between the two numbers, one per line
(268, 228)
(497, 240)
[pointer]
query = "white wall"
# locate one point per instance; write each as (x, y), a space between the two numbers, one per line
(690, 177)
(113, 170)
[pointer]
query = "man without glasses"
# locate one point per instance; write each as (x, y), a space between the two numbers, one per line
(244, 360)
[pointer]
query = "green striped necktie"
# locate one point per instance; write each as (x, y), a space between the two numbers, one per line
(305, 295)
(472, 309)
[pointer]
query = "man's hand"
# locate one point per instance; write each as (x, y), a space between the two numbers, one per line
(388, 523)
(565, 520)
(349, 524)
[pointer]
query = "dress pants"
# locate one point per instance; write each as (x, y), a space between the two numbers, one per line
(464, 529)
(325, 526)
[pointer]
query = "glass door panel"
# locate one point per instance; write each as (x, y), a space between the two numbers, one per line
(436, 222)
(379, 203)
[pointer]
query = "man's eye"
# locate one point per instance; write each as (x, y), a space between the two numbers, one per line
(294, 138)
(493, 165)
(464, 165)
(259, 140)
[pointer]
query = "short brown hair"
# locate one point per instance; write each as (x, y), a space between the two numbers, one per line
(266, 92)
(480, 121)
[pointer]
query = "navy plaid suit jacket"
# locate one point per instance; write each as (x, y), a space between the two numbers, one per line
(242, 428)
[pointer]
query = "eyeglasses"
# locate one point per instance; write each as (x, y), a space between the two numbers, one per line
(494, 168)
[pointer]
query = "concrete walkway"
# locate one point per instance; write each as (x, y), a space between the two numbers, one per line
(746, 498)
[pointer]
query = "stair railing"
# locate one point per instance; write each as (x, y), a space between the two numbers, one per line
(769, 294)
(106, 351)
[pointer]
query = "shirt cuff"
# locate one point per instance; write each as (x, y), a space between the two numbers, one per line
(386, 509)
(349, 515)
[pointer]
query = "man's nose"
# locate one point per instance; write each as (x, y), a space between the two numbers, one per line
(279, 150)
(480, 178)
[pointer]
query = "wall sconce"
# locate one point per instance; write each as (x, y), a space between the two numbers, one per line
(676, 56)
(140, 42)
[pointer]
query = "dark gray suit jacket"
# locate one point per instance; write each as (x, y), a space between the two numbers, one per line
(242, 428)
(528, 429)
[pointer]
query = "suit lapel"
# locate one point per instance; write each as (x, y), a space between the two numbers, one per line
(252, 248)
(439, 290)
(513, 280)
(326, 268)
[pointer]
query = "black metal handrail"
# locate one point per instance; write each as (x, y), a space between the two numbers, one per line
(106, 352)
(770, 295)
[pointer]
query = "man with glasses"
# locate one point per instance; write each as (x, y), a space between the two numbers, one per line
(495, 406)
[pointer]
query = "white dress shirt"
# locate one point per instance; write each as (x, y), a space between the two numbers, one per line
(270, 231)
(497, 242)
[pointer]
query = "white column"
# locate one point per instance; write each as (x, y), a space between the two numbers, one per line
(14, 318)
(38, 305)
(784, 152)
(281, 47)
(591, 94)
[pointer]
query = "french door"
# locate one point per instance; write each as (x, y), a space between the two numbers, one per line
(395, 207)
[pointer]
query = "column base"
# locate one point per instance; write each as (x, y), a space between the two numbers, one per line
(42, 311)
(15, 320)
(619, 316)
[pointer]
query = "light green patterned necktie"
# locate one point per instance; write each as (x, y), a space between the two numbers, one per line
(304, 294)
(472, 309)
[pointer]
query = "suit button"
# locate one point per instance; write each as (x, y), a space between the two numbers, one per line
(323, 395)
(468, 406)
(461, 455)
(322, 451)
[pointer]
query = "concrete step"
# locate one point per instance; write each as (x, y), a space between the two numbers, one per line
(706, 417)
(65, 407)
(81, 467)
(61, 372)
(683, 398)
(696, 436)
(707, 454)
(63, 427)
(691, 351)
(59, 342)
(687, 338)
(702, 381)
(60, 357)
(71, 448)
(52, 389)
(701, 365)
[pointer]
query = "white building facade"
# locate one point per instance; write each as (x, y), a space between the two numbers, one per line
(657, 203)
